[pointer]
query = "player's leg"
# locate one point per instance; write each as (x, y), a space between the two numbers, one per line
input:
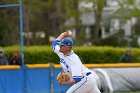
(92, 81)
(86, 85)
(80, 87)
(95, 90)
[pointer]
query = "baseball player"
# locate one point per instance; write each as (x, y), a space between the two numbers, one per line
(81, 77)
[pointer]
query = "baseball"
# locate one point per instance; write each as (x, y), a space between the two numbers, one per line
(69, 33)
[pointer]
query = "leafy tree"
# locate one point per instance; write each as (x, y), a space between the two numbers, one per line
(9, 24)
(98, 10)
(127, 10)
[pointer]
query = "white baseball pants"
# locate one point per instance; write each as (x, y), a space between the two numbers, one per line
(86, 85)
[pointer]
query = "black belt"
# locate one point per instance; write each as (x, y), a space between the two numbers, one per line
(88, 73)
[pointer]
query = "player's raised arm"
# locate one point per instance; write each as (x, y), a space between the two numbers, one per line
(58, 39)
(64, 34)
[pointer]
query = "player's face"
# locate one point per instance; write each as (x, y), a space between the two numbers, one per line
(64, 49)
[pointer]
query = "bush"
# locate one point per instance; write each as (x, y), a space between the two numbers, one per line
(93, 54)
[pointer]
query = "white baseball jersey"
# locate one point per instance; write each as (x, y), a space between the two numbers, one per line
(71, 63)
(73, 66)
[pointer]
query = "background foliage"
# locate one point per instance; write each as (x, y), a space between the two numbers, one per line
(93, 54)
(50, 17)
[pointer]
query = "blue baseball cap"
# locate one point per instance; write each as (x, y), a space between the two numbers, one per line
(66, 42)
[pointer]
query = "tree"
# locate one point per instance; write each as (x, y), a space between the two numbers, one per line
(128, 10)
(9, 26)
(98, 10)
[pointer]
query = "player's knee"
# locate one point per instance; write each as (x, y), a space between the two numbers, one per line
(69, 91)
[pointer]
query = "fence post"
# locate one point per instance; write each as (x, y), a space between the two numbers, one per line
(51, 78)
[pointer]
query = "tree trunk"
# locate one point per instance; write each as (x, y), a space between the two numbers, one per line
(95, 31)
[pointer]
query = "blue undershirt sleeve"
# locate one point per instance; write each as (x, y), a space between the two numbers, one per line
(77, 79)
(55, 43)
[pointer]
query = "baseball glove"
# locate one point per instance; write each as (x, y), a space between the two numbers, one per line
(62, 77)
